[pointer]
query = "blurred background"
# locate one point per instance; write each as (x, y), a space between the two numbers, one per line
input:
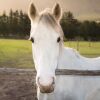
(80, 23)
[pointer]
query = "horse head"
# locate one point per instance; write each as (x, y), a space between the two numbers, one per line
(46, 36)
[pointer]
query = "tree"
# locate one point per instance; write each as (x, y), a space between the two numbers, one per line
(10, 22)
(24, 23)
(69, 25)
(89, 30)
(4, 24)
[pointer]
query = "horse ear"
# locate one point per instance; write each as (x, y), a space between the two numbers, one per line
(57, 11)
(32, 13)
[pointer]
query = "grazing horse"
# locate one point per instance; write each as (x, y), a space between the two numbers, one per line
(50, 54)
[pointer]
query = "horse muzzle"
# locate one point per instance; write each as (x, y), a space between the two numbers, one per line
(46, 89)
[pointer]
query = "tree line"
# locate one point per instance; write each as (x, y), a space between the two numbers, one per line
(80, 30)
(17, 25)
(14, 25)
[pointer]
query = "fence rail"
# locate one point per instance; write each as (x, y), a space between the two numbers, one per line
(58, 72)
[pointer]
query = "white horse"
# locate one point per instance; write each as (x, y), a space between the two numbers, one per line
(49, 54)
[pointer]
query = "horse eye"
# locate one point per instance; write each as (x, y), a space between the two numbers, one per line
(32, 39)
(58, 40)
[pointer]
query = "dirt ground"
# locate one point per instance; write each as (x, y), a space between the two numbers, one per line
(17, 84)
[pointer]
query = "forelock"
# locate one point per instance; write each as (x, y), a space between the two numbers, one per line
(48, 19)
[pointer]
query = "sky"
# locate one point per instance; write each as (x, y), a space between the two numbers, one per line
(82, 9)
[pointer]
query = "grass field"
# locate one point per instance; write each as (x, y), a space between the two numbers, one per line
(17, 53)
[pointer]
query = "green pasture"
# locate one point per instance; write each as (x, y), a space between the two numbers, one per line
(88, 49)
(17, 53)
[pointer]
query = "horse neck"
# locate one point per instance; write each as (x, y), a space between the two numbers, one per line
(70, 59)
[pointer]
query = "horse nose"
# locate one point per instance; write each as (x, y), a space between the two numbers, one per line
(46, 88)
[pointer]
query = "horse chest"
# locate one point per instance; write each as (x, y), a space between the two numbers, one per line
(76, 88)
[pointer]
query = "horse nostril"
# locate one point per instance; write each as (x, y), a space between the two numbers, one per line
(53, 82)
